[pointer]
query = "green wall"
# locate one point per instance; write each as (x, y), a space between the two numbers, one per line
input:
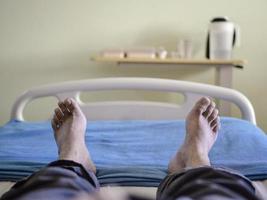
(44, 41)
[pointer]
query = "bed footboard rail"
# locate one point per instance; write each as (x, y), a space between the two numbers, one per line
(191, 91)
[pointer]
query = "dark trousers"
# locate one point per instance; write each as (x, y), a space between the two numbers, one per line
(66, 180)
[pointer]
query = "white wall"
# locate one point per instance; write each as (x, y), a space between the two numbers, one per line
(44, 41)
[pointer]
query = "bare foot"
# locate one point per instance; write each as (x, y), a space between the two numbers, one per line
(202, 125)
(69, 124)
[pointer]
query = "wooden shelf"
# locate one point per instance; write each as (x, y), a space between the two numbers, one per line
(234, 63)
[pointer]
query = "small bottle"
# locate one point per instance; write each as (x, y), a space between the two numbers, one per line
(162, 53)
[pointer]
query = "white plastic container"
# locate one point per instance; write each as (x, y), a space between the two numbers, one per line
(221, 39)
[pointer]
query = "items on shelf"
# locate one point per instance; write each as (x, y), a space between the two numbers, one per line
(162, 53)
(150, 53)
(141, 53)
(113, 53)
(184, 50)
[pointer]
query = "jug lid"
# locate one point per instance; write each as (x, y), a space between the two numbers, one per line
(220, 19)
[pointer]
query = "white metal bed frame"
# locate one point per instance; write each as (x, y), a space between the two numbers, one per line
(122, 110)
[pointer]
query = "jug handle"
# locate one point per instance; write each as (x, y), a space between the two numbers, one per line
(208, 46)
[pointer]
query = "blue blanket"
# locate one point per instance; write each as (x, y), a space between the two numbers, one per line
(134, 153)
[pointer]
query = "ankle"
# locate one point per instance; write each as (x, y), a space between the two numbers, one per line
(196, 160)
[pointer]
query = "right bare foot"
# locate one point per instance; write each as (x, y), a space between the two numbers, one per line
(69, 124)
(202, 125)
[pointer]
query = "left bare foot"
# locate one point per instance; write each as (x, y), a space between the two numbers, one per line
(69, 124)
(202, 125)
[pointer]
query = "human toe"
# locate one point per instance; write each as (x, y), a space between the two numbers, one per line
(216, 125)
(213, 115)
(214, 122)
(209, 109)
(59, 114)
(55, 122)
(63, 108)
(73, 106)
(70, 104)
(202, 105)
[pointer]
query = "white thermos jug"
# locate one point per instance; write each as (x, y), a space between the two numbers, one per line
(222, 36)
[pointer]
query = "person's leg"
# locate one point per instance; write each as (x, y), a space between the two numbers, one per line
(73, 173)
(190, 174)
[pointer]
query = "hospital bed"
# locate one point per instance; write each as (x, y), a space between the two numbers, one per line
(144, 112)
